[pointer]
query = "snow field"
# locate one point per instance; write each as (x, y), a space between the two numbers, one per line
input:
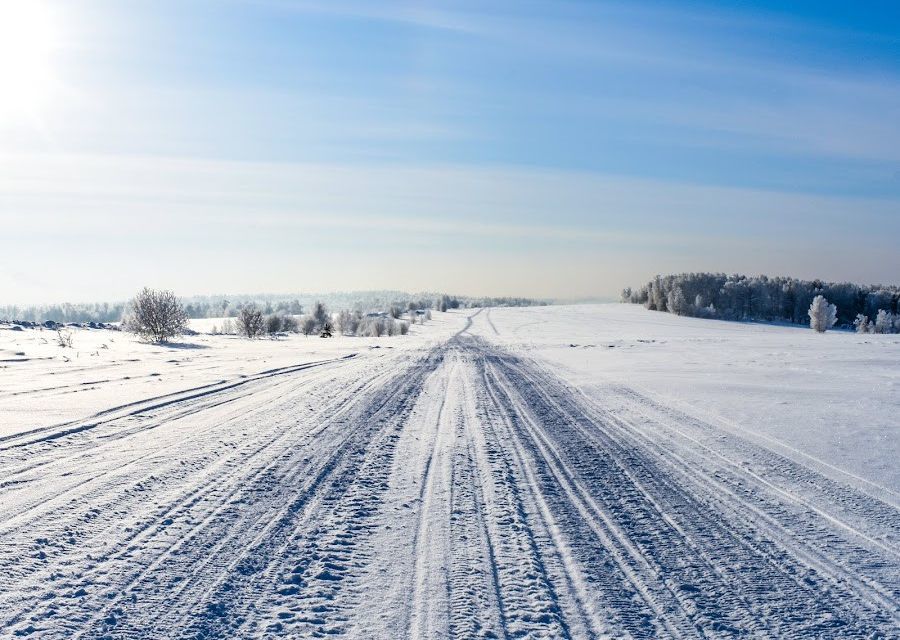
(479, 479)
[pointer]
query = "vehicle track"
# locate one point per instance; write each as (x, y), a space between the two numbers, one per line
(458, 491)
(695, 550)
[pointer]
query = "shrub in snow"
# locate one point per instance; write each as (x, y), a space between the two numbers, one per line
(289, 324)
(250, 321)
(65, 338)
(404, 328)
(348, 322)
(155, 315)
(705, 312)
(372, 327)
(308, 325)
(822, 315)
(861, 323)
(273, 323)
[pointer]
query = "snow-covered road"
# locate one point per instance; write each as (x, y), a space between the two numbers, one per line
(458, 489)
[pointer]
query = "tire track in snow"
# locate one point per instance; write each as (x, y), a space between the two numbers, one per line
(183, 506)
(431, 538)
(782, 590)
(297, 569)
(455, 492)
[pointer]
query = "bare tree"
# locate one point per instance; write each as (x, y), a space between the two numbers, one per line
(250, 321)
(155, 315)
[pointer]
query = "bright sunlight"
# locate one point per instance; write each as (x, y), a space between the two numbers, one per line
(28, 38)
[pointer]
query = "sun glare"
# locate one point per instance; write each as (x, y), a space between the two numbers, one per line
(27, 42)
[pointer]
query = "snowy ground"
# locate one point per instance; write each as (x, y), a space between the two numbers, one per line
(585, 472)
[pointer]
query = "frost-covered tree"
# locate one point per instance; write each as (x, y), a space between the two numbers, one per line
(822, 315)
(345, 323)
(884, 322)
(274, 323)
(308, 325)
(741, 297)
(155, 315)
(320, 315)
(289, 324)
(250, 321)
(861, 323)
(676, 302)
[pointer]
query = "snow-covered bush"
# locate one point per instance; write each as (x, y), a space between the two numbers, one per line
(289, 324)
(884, 322)
(274, 323)
(372, 327)
(822, 315)
(308, 325)
(404, 328)
(155, 315)
(250, 321)
(861, 323)
(348, 322)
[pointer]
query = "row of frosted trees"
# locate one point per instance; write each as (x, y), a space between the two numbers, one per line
(268, 305)
(739, 297)
(158, 316)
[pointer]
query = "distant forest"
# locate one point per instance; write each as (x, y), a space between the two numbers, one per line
(739, 297)
(217, 306)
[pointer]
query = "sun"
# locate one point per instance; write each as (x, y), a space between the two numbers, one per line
(28, 40)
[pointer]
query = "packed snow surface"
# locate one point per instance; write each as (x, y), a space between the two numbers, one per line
(558, 472)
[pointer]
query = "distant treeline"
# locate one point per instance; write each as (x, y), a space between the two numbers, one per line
(738, 297)
(217, 306)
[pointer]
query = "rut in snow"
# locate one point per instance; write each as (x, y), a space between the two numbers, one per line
(454, 492)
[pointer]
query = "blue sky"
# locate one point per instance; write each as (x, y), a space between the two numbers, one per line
(552, 149)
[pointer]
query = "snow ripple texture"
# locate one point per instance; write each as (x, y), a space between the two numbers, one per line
(458, 491)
